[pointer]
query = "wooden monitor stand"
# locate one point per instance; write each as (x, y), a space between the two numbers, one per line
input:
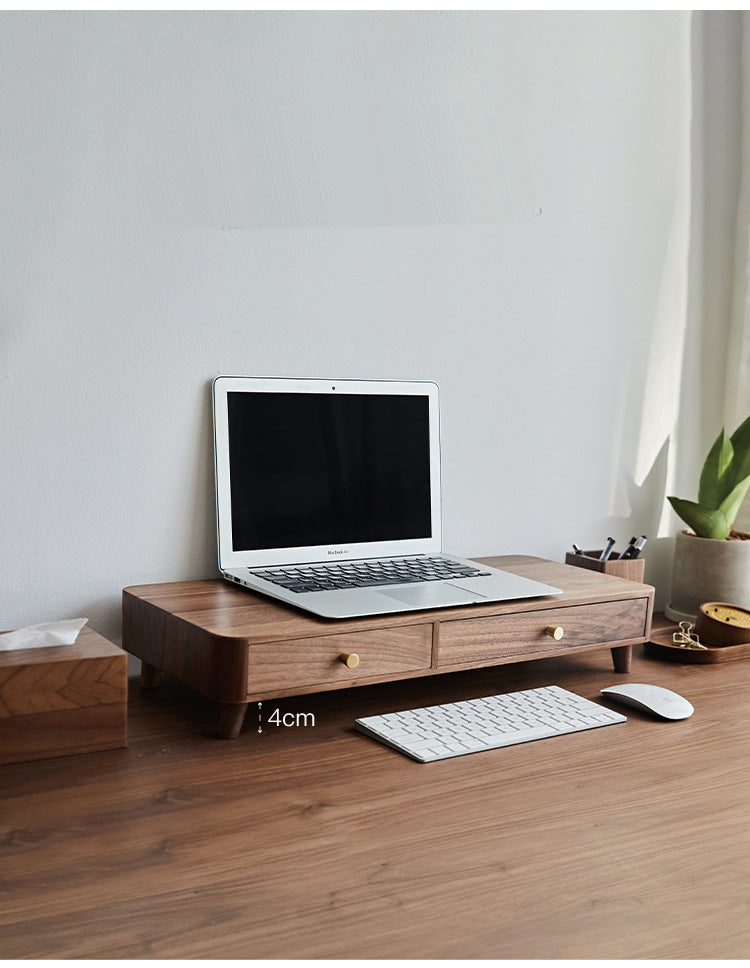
(237, 647)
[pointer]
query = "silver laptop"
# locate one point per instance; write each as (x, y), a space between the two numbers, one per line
(328, 498)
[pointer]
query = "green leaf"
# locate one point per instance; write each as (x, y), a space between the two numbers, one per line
(740, 467)
(731, 504)
(706, 522)
(713, 487)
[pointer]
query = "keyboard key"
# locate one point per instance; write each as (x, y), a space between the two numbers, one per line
(366, 574)
(474, 725)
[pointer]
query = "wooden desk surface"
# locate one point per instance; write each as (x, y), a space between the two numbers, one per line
(628, 841)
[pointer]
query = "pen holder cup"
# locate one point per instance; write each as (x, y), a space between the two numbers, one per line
(630, 568)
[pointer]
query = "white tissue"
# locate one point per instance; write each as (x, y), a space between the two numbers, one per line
(38, 636)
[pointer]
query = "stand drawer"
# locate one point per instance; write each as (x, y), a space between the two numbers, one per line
(522, 634)
(318, 661)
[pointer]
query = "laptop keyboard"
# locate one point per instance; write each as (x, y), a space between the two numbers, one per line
(364, 574)
(474, 725)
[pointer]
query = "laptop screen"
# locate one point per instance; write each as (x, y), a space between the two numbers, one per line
(328, 469)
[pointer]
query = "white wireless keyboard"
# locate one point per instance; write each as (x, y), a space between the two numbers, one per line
(437, 732)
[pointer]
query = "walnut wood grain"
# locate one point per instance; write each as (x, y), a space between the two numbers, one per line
(63, 732)
(62, 699)
(488, 640)
(231, 718)
(221, 609)
(629, 841)
(150, 676)
(630, 568)
(311, 662)
(235, 646)
(622, 658)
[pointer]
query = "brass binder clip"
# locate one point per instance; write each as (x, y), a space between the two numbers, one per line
(686, 638)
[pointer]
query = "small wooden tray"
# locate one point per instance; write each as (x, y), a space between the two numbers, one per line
(661, 645)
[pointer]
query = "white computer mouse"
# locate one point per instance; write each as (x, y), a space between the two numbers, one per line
(654, 699)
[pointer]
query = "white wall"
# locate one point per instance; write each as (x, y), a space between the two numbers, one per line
(497, 201)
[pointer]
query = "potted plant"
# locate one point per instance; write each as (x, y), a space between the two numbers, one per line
(712, 560)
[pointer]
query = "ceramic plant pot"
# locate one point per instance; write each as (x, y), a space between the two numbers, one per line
(706, 570)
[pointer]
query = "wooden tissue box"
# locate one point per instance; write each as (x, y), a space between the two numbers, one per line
(630, 568)
(63, 699)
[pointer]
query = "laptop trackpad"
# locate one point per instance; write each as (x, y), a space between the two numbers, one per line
(433, 595)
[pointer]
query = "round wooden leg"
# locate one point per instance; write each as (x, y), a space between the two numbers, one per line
(231, 718)
(621, 656)
(150, 676)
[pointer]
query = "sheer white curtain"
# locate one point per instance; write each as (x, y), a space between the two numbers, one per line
(737, 398)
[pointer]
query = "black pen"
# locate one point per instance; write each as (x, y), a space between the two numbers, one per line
(635, 547)
(629, 552)
(604, 556)
(578, 551)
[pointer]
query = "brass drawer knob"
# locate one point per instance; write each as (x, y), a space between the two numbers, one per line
(555, 632)
(350, 659)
